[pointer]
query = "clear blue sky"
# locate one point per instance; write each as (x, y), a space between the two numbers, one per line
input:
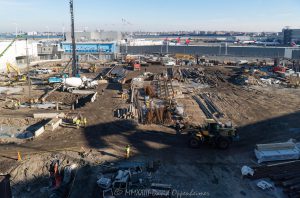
(151, 15)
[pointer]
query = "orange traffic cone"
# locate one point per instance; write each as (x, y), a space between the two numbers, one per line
(19, 156)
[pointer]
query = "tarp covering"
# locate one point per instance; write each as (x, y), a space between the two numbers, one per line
(277, 151)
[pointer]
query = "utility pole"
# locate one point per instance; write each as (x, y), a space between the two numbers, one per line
(63, 31)
(28, 73)
(126, 46)
(47, 33)
(167, 47)
(74, 58)
(16, 29)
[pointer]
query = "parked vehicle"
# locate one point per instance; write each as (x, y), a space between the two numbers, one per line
(43, 71)
(73, 83)
(170, 63)
(214, 134)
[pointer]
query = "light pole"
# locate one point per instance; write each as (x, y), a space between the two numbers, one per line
(16, 29)
(167, 47)
(63, 31)
(48, 32)
(28, 74)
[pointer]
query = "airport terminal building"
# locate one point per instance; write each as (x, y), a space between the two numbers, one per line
(97, 45)
(202, 50)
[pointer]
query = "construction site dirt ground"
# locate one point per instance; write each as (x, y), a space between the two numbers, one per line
(262, 114)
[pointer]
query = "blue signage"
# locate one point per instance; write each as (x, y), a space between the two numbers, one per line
(90, 47)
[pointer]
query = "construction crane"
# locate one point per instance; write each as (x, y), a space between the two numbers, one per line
(74, 58)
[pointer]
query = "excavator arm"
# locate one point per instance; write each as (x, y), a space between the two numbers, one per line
(15, 68)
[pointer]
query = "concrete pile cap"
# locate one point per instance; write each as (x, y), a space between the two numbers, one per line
(46, 115)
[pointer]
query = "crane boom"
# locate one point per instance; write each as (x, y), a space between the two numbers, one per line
(10, 44)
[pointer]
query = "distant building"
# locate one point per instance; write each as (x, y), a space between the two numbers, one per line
(241, 38)
(48, 52)
(98, 45)
(87, 51)
(104, 36)
(291, 35)
(32, 33)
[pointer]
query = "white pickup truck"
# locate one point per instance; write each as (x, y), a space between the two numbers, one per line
(170, 63)
(43, 71)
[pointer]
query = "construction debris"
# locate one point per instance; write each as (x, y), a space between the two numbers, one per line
(285, 175)
(267, 76)
(264, 185)
(246, 170)
(127, 177)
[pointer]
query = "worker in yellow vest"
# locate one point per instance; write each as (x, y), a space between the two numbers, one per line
(127, 150)
(15, 105)
(77, 123)
(19, 103)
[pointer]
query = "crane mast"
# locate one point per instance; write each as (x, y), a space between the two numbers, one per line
(74, 58)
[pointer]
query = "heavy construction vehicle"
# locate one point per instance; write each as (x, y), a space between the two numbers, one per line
(92, 68)
(136, 65)
(213, 133)
(12, 104)
(184, 56)
(63, 74)
(18, 76)
(73, 83)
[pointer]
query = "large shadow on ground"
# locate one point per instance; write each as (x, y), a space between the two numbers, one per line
(123, 132)
(114, 86)
(154, 144)
(270, 130)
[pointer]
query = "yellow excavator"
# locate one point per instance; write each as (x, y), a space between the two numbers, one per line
(18, 76)
(92, 68)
